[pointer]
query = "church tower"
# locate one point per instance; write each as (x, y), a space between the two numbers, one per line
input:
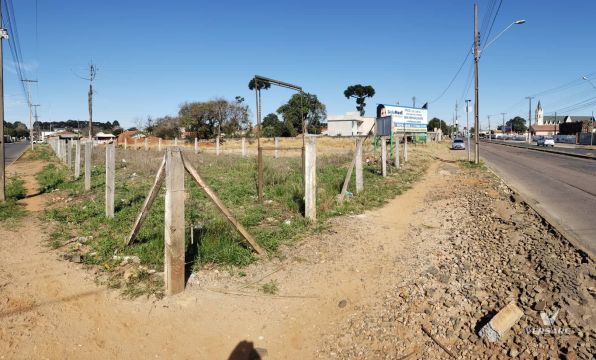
(539, 117)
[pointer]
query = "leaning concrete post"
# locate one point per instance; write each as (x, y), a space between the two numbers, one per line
(396, 151)
(243, 146)
(77, 165)
(146, 144)
(358, 166)
(276, 147)
(310, 179)
(217, 145)
(110, 179)
(196, 146)
(384, 156)
(174, 223)
(88, 150)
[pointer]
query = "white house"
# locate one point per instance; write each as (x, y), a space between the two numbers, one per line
(350, 124)
(102, 138)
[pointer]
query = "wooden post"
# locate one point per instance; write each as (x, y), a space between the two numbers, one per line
(125, 143)
(405, 147)
(358, 165)
(174, 223)
(146, 144)
(196, 146)
(217, 145)
(110, 179)
(310, 179)
(276, 147)
(77, 170)
(159, 145)
(243, 146)
(396, 151)
(88, 150)
(384, 156)
(260, 174)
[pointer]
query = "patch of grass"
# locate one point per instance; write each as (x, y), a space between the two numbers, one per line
(15, 189)
(270, 288)
(50, 177)
(40, 152)
(471, 165)
(10, 210)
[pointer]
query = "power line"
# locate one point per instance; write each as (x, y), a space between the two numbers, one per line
(494, 18)
(454, 76)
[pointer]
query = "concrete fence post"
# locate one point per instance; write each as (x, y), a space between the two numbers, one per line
(310, 179)
(196, 146)
(176, 141)
(159, 144)
(68, 155)
(396, 157)
(77, 160)
(174, 223)
(88, 150)
(110, 179)
(243, 146)
(384, 156)
(125, 143)
(358, 166)
(276, 147)
(217, 145)
(146, 144)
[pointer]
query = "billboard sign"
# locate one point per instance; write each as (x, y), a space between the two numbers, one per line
(405, 119)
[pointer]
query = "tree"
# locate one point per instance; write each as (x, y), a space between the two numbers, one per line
(299, 105)
(167, 127)
(260, 85)
(360, 93)
(517, 124)
(436, 123)
(209, 118)
(272, 126)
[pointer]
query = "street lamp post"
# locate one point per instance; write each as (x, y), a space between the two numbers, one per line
(592, 121)
(477, 54)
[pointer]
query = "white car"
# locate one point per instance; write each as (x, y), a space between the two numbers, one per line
(543, 141)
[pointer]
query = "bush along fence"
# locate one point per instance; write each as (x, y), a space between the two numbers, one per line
(171, 171)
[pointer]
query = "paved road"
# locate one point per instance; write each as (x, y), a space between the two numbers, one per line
(12, 151)
(563, 186)
(557, 147)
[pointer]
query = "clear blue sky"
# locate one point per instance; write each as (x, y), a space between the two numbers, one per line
(154, 55)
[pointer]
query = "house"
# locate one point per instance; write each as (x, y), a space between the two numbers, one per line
(350, 124)
(103, 138)
(558, 124)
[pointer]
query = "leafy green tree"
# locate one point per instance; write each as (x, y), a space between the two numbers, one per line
(299, 105)
(209, 118)
(272, 126)
(517, 124)
(436, 123)
(167, 127)
(360, 93)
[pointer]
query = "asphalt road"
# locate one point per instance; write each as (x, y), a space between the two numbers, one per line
(12, 151)
(562, 186)
(557, 147)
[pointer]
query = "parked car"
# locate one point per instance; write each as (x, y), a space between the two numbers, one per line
(458, 144)
(544, 141)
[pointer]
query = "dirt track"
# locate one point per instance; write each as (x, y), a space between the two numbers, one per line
(330, 286)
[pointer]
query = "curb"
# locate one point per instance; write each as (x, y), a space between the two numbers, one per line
(18, 157)
(581, 156)
(551, 221)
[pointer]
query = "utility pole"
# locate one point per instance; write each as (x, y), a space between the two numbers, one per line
(413, 101)
(489, 132)
(3, 36)
(92, 72)
(468, 128)
(28, 82)
(476, 106)
(529, 118)
(456, 119)
(36, 121)
(503, 115)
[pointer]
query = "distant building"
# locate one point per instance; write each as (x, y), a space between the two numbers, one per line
(102, 138)
(350, 124)
(552, 125)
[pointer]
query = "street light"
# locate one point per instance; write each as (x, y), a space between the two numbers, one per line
(477, 53)
(590, 81)
(591, 122)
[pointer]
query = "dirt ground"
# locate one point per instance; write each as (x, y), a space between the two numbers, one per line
(334, 291)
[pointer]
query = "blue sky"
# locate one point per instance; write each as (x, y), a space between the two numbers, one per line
(154, 55)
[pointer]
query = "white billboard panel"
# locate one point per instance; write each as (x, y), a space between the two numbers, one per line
(405, 119)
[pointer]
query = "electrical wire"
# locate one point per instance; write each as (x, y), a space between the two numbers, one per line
(454, 77)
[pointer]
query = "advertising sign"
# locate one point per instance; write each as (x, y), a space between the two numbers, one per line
(403, 118)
